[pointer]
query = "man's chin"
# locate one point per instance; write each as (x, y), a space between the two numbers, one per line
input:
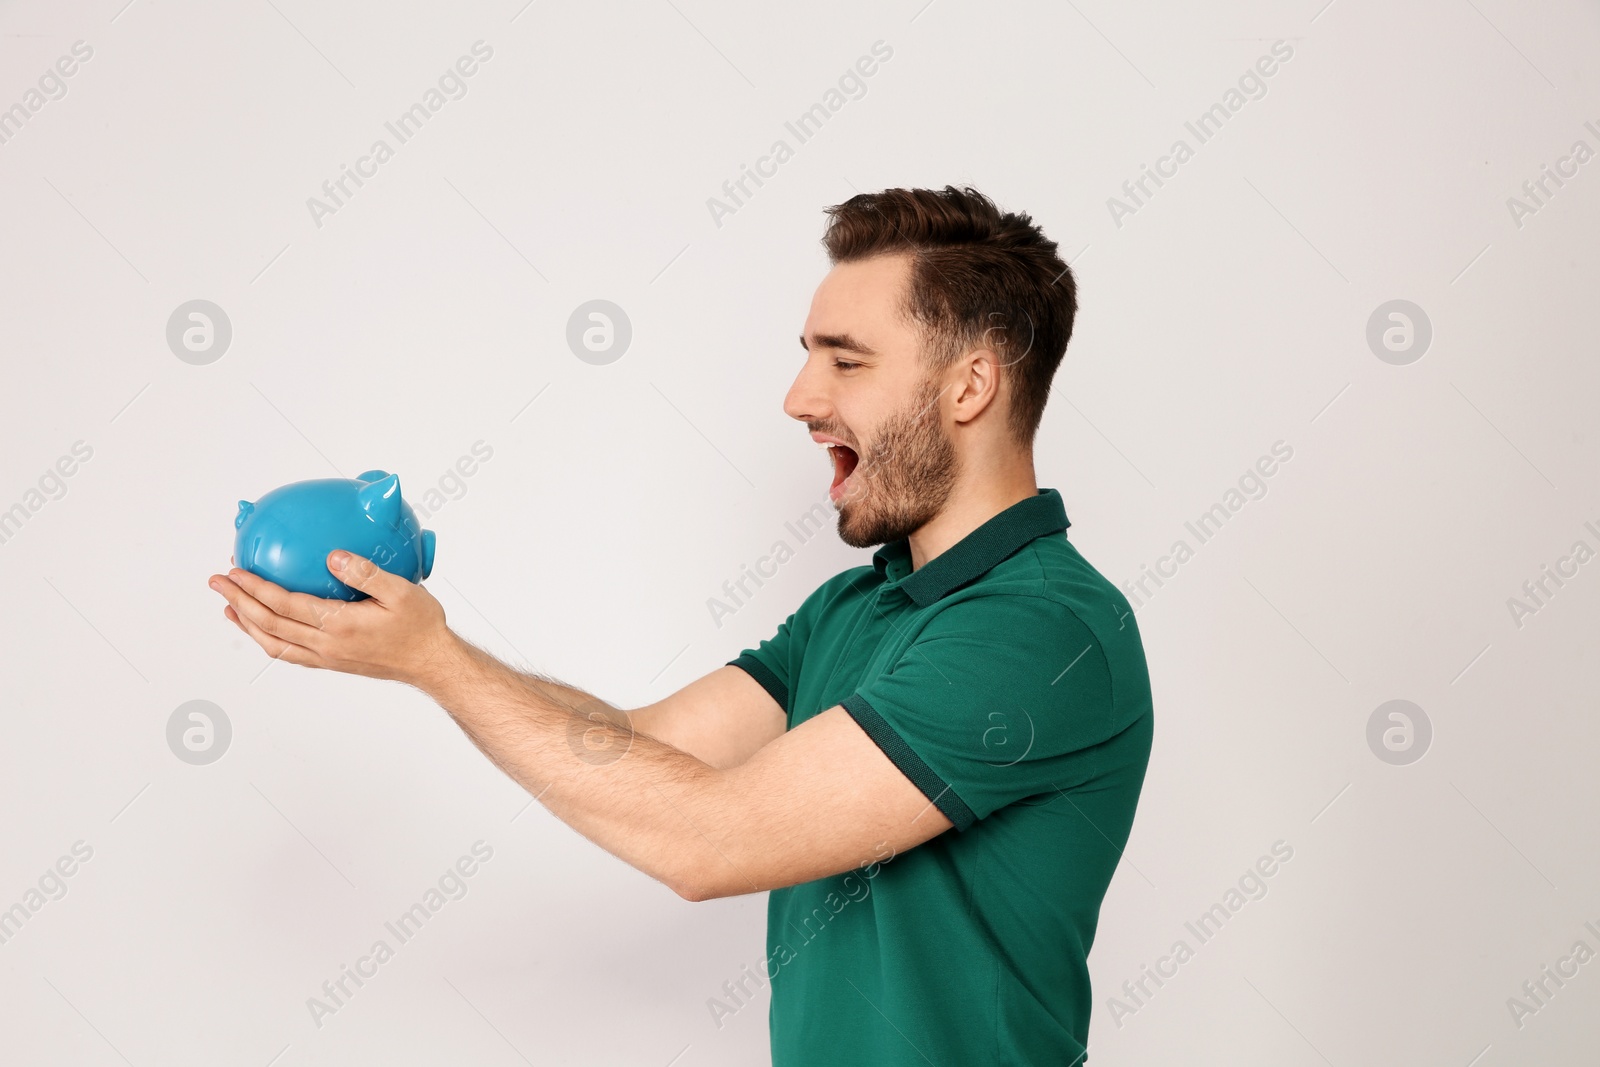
(859, 527)
(851, 537)
(853, 530)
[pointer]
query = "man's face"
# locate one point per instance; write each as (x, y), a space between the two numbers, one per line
(864, 391)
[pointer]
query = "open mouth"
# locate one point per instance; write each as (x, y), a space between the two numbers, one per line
(844, 465)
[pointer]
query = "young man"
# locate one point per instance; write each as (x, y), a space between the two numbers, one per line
(977, 676)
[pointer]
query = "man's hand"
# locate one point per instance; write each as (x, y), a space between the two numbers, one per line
(398, 633)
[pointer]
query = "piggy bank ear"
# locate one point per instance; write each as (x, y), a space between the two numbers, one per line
(428, 542)
(245, 508)
(381, 500)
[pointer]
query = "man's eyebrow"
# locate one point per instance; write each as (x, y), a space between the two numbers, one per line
(842, 341)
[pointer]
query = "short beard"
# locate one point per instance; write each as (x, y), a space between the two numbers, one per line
(903, 482)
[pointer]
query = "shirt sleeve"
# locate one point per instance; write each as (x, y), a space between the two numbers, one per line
(774, 662)
(998, 699)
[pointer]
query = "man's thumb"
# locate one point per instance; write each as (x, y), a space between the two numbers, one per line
(357, 572)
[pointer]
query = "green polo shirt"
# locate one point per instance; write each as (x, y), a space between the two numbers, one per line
(1006, 679)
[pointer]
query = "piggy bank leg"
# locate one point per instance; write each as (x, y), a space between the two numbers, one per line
(427, 552)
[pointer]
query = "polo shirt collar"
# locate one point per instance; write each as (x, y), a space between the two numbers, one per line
(974, 555)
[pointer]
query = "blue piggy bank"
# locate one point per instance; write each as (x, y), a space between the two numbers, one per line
(285, 537)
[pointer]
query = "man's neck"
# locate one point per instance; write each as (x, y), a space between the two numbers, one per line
(971, 504)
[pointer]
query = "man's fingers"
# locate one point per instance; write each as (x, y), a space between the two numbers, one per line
(276, 647)
(264, 619)
(361, 573)
(301, 607)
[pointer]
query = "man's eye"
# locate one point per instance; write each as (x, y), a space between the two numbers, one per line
(842, 365)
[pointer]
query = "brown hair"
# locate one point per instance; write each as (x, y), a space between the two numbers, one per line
(979, 277)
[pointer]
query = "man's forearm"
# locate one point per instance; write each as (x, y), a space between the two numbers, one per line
(651, 805)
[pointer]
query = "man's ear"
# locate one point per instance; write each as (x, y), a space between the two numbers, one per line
(978, 385)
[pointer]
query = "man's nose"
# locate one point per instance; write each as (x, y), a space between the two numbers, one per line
(805, 401)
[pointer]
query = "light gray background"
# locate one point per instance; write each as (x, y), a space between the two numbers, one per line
(430, 312)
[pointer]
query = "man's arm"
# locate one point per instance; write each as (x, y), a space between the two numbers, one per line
(820, 799)
(723, 718)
